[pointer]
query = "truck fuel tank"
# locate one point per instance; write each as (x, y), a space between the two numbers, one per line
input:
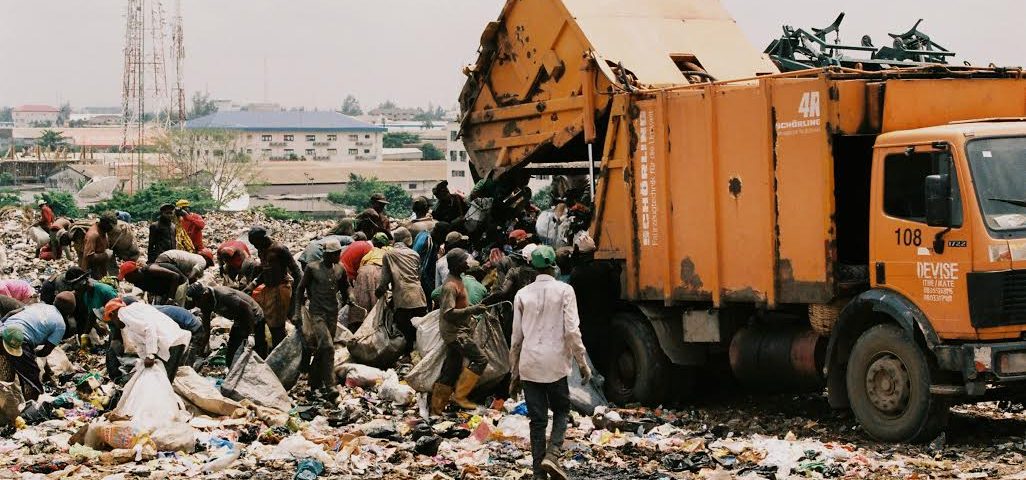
(778, 359)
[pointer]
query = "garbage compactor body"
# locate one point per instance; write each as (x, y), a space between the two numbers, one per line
(859, 230)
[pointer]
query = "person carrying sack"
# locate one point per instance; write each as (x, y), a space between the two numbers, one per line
(456, 328)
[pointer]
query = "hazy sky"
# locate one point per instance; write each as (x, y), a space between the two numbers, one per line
(410, 51)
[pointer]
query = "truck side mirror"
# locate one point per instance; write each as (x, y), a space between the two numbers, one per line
(938, 200)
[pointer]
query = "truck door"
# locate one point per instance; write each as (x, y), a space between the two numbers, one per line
(927, 264)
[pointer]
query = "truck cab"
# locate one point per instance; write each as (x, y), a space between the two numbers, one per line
(948, 229)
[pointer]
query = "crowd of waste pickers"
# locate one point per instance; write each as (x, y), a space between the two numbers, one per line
(256, 412)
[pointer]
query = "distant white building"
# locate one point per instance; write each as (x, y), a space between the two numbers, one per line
(34, 115)
(317, 136)
(459, 172)
(402, 154)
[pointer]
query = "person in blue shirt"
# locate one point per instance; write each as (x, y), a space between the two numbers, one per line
(34, 331)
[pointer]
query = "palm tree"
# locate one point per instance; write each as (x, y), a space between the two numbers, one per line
(51, 140)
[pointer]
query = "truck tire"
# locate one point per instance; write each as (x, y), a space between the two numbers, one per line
(888, 382)
(638, 367)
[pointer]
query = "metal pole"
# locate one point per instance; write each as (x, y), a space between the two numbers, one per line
(591, 172)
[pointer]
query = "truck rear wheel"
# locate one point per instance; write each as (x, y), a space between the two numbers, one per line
(638, 367)
(888, 382)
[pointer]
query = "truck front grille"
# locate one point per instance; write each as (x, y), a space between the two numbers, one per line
(1014, 293)
(997, 298)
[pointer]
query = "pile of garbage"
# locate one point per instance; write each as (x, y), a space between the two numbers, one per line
(255, 420)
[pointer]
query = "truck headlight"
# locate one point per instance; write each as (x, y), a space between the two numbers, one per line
(1012, 363)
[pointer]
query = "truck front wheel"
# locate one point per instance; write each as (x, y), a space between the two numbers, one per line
(638, 366)
(888, 382)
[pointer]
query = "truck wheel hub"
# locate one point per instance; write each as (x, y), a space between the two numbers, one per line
(887, 384)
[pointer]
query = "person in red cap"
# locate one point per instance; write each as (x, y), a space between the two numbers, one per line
(158, 282)
(235, 264)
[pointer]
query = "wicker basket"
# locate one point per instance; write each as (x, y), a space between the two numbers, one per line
(822, 316)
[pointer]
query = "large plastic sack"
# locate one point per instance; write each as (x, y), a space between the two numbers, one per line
(396, 392)
(584, 398)
(175, 437)
(147, 331)
(148, 398)
(378, 342)
(58, 363)
(489, 338)
(428, 337)
(477, 213)
(202, 393)
(10, 399)
(39, 236)
(341, 358)
(284, 360)
(357, 375)
(250, 378)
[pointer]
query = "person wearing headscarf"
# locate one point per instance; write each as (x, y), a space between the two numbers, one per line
(369, 275)
(190, 227)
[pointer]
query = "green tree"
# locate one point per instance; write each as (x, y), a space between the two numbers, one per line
(6, 178)
(359, 190)
(399, 139)
(351, 106)
(202, 105)
(207, 158)
(387, 105)
(51, 140)
(431, 152)
(6, 114)
(62, 203)
(146, 202)
(9, 198)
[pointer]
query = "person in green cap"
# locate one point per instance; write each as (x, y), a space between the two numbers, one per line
(546, 341)
(35, 331)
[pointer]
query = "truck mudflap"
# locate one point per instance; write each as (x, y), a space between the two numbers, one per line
(984, 363)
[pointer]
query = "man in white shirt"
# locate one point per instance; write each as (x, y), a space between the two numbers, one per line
(546, 337)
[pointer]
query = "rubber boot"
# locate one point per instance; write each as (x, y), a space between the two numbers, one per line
(465, 385)
(440, 395)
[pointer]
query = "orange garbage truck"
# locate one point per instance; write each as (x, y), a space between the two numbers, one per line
(862, 231)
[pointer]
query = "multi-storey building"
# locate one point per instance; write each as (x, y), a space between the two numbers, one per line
(314, 136)
(35, 116)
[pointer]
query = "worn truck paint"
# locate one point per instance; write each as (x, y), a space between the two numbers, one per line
(885, 211)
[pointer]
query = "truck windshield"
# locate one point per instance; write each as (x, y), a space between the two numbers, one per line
(999, 172)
